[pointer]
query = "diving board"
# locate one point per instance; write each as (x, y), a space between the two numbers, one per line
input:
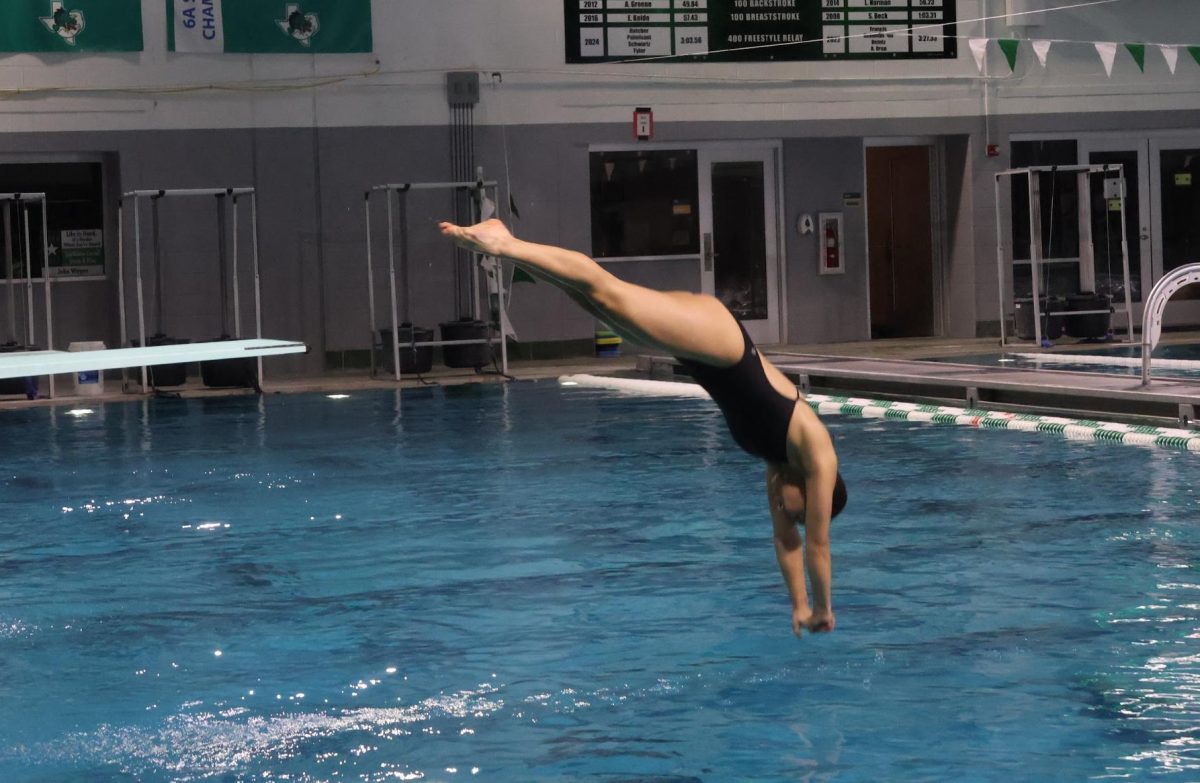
(38, 363)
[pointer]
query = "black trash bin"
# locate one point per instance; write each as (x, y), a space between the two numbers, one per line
(229, 373)
(1052, 325)
(414, 360)
(162, 375)
(478, 355)
(1089, 325)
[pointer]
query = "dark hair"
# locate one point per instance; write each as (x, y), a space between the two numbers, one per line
(839, 496)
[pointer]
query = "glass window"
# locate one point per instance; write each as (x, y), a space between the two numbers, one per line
(1060, 216)
(1107, 228)
(1060, 199)
(644, 203)
(75, 217)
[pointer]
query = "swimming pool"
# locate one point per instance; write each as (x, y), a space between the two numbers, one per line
(536, 583)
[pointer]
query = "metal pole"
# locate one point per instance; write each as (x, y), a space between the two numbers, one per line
(1000, 264)
(1125, 263)
(370, 279)
(46, 272)
(501, 307)
(137, 256)
(1035, 251)
(237, 300)
(121, 283)
(476, 212)
(8, 272)
(402, 219)
(222, 262)
(31, 332)
(156, 238)
(257, 276)
(392, 280)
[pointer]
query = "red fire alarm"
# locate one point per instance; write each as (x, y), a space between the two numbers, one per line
(643, 123)
(993, 150)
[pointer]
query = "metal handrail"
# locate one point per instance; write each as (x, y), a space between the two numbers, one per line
(1152, 315)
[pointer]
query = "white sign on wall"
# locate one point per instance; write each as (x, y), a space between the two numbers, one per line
(198, 26)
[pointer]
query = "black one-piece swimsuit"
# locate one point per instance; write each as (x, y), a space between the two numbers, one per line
(757, 414)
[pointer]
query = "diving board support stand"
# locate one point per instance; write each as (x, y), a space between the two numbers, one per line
(23, 202)
(396, 199)
(135, 197)
(1086, 259)
(1156, 304)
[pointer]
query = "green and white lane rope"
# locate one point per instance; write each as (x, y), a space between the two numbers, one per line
(1073, 429)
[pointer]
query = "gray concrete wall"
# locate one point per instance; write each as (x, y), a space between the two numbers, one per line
(311, 184)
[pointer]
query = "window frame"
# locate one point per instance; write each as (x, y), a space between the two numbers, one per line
(106, 213)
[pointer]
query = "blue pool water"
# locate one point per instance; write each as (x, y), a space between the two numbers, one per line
(536, 583)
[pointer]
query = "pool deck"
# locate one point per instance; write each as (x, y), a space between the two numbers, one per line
(889, 369)
(1093, 395)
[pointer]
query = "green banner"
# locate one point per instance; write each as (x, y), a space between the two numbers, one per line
(269, 26)
(70, 26)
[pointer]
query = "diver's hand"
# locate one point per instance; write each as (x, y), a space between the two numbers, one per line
(805, 619)
(821, 621)
(488, 237)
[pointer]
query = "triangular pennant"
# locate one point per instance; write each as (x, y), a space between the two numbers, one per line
(1108, 54)
(979, 49)
(1041, 49)
(1009, 47)
(521, 276)
(1194, 51)
(1171, 55)
(1139, 55)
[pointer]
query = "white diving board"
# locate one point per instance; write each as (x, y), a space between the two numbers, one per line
(37, 363)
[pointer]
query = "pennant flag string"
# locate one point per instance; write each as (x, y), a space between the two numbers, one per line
(1009, 47)
(1138, 51)
(1171, 55)
(1107, 50)
(1041, 49)
(979, 49)
(1108, 55)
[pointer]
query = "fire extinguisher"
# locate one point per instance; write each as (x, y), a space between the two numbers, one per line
(831, 244)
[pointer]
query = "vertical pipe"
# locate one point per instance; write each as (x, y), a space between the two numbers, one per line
(237, 299)
(222, 261)
(137, 260)
(1125, 260)
(258, 321)
(46, 273)
(156, 238)
(502, 308)
(455, 165)
(405, 271)
(1035, 251)
(370, 279)
(392, 284)
(31, 331)
(476, 212)
(121, 284)
(8, 272)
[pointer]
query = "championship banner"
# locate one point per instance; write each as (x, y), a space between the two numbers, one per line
(268, 26)
(70, 26)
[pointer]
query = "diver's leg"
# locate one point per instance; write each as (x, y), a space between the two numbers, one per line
(687, 325)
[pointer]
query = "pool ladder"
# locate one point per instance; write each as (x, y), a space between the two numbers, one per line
(1156, 303)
